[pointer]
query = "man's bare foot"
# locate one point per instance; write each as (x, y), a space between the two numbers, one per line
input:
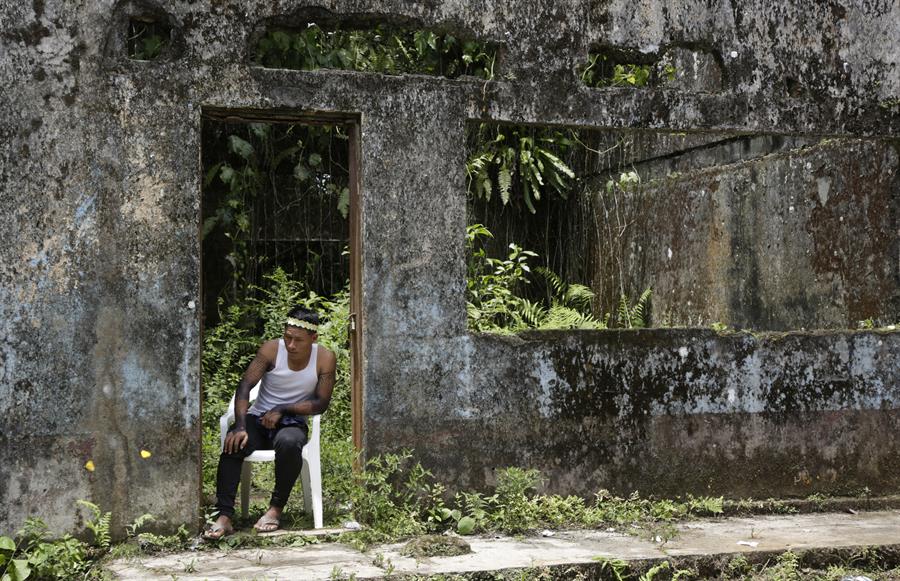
(270, 521)
(222, 527)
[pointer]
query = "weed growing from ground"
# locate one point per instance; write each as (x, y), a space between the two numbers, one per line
(738, 567)
(787, 568)
(616, 569)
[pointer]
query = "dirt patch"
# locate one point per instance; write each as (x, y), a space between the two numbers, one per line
(436, 546)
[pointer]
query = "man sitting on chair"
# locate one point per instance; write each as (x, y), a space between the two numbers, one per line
(297, 379)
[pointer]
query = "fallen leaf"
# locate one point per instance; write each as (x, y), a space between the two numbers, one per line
(145, 454)
(89, 465)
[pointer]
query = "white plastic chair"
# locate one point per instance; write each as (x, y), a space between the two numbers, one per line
(310, 474)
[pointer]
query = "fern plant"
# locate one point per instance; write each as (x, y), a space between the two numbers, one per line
(569, 308)
(99, 525)
(494, 300)
(141, 521)
(634, 316)
(519, 163)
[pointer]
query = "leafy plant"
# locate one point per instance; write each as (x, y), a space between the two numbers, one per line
(631, 316)
(738, 566)
(618, 568)
(516, 510)
(153, 542)
(99, 525)
(787, 568)
(495, 289)
(386, 502)
(597, 74)
(475, 508)
(705, 505)
(35, 556)
(519, 164)
(382, 49)
(601, 70)
(651, 573)
(559, 511)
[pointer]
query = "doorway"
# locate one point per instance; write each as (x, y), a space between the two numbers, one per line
(280, 226)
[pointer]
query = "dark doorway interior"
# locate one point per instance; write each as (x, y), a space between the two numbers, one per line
(275, 195)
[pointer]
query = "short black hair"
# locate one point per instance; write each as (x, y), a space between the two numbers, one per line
(304, 314)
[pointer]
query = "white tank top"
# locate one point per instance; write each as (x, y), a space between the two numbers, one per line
(281, 386)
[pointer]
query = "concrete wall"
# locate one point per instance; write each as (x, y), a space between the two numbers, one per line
(752, 234)
(661, 411)
(100, 183)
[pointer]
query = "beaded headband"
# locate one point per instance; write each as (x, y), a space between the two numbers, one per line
(302, 324)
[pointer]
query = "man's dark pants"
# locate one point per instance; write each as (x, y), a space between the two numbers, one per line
(287, 441)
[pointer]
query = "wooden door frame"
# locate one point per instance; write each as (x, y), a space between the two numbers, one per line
(356, 307)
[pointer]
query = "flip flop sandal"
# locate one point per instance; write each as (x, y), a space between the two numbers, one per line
(217, 532)
(267, 524)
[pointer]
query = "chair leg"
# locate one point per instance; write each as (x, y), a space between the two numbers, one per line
(315, 480)
(307, 494)
(246, 474)
(311, 474)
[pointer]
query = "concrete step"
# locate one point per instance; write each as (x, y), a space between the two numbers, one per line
(758, 538)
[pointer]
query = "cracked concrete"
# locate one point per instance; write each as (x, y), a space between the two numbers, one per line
(760, 535)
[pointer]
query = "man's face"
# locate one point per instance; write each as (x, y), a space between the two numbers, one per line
(296, 339)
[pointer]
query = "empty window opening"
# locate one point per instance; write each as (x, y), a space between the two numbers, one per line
(147, 38)
(380, 49)
(276, 209)
(578, 228)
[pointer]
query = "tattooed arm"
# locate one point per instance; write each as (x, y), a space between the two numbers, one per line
(263, 362)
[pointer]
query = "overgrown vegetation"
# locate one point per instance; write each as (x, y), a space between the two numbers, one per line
(34, 555)
(601, 70)
(262, 183)
(497, 295)
(256, 158)
(520, 164)
(380, 49)
(397, 498)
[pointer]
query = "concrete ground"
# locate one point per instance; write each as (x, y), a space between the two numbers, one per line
(759, 534)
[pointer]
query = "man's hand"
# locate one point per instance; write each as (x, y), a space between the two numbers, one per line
(235, 440)
(271, 418)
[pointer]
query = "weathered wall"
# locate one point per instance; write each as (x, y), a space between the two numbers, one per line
(662, 411)
(99, 175)
(773, 239)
